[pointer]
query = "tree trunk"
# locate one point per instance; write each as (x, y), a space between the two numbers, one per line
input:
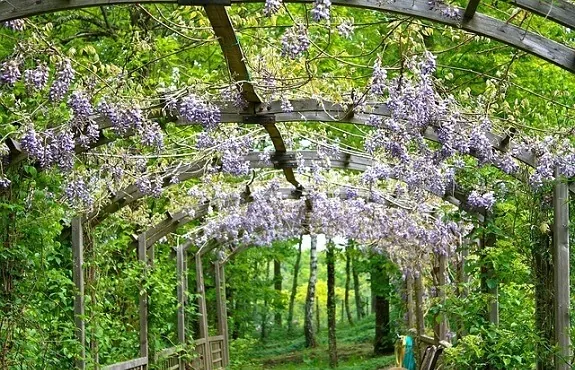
(356, 285)
(317, 315)
(264, 328)
(347, 284)
(278, 290)
(381, 287)
(294, 288)
(330, 260)
(309, 333)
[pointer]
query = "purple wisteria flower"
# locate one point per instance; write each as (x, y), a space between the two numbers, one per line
(295, 41)
(194, 110)
(78, 194)
(378, 79)
(286, 105)
(321, 10)
(63, 80)
(10, 72)
(15, 25)
(4, 182)
(345, 29)
(272, 7)
(486, 200)
(80, 104)
(37, 78)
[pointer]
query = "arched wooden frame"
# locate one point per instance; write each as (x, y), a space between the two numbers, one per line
(471, 21)
(559, 11)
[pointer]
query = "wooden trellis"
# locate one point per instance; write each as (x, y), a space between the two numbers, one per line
(559, 11)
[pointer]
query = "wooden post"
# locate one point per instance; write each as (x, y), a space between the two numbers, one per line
(78, 276)
(222, 309)
(143, 301)
(561, 272)
(204, 333)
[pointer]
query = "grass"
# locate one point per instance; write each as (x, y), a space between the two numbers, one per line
(280, 352)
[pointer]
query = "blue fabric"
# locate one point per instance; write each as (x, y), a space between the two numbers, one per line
(409, 356)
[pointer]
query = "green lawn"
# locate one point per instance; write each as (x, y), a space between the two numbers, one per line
(282, 353)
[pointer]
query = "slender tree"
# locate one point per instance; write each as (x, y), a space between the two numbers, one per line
(309, 332)
(347, 283)
(380, 287)
(278, 291)
(356, 284)
(296, 269)
(330, 259)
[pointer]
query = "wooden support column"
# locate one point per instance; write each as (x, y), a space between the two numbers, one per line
(204, 332)
(561, 273)
(78, 276)
(222, 309)
(143, 300)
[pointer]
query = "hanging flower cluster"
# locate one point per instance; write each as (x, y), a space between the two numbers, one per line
(194, 110)
(295, 41)
(270, 216)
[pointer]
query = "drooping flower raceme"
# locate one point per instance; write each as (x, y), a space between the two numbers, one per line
(485, 201)
(37, 78)
(321, 10)
(62, 81)
(10, 72)
(272, 7)
(194, 110)
(295, 41)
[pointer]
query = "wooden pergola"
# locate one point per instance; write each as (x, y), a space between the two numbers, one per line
(560, 11)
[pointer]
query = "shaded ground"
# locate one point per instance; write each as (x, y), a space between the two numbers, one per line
(355, 351)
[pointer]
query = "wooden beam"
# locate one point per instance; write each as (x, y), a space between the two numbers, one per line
(470, 10)
(222, 26)
(202, 310)
(561, 273)
(143, 297)
(562, 12)
(78, 276)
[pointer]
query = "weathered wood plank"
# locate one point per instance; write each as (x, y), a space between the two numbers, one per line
(224, 31)
(561, 273)
(560, 11)
(143, 297)
(78, 276)
(138, 363)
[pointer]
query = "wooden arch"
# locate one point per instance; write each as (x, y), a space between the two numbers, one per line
(559, 11)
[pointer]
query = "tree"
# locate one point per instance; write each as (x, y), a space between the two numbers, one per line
(296, 269)
(330, 259)
(380, 285)
(309, 332)
(359, 306)
(278, 290)
(347, 283)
